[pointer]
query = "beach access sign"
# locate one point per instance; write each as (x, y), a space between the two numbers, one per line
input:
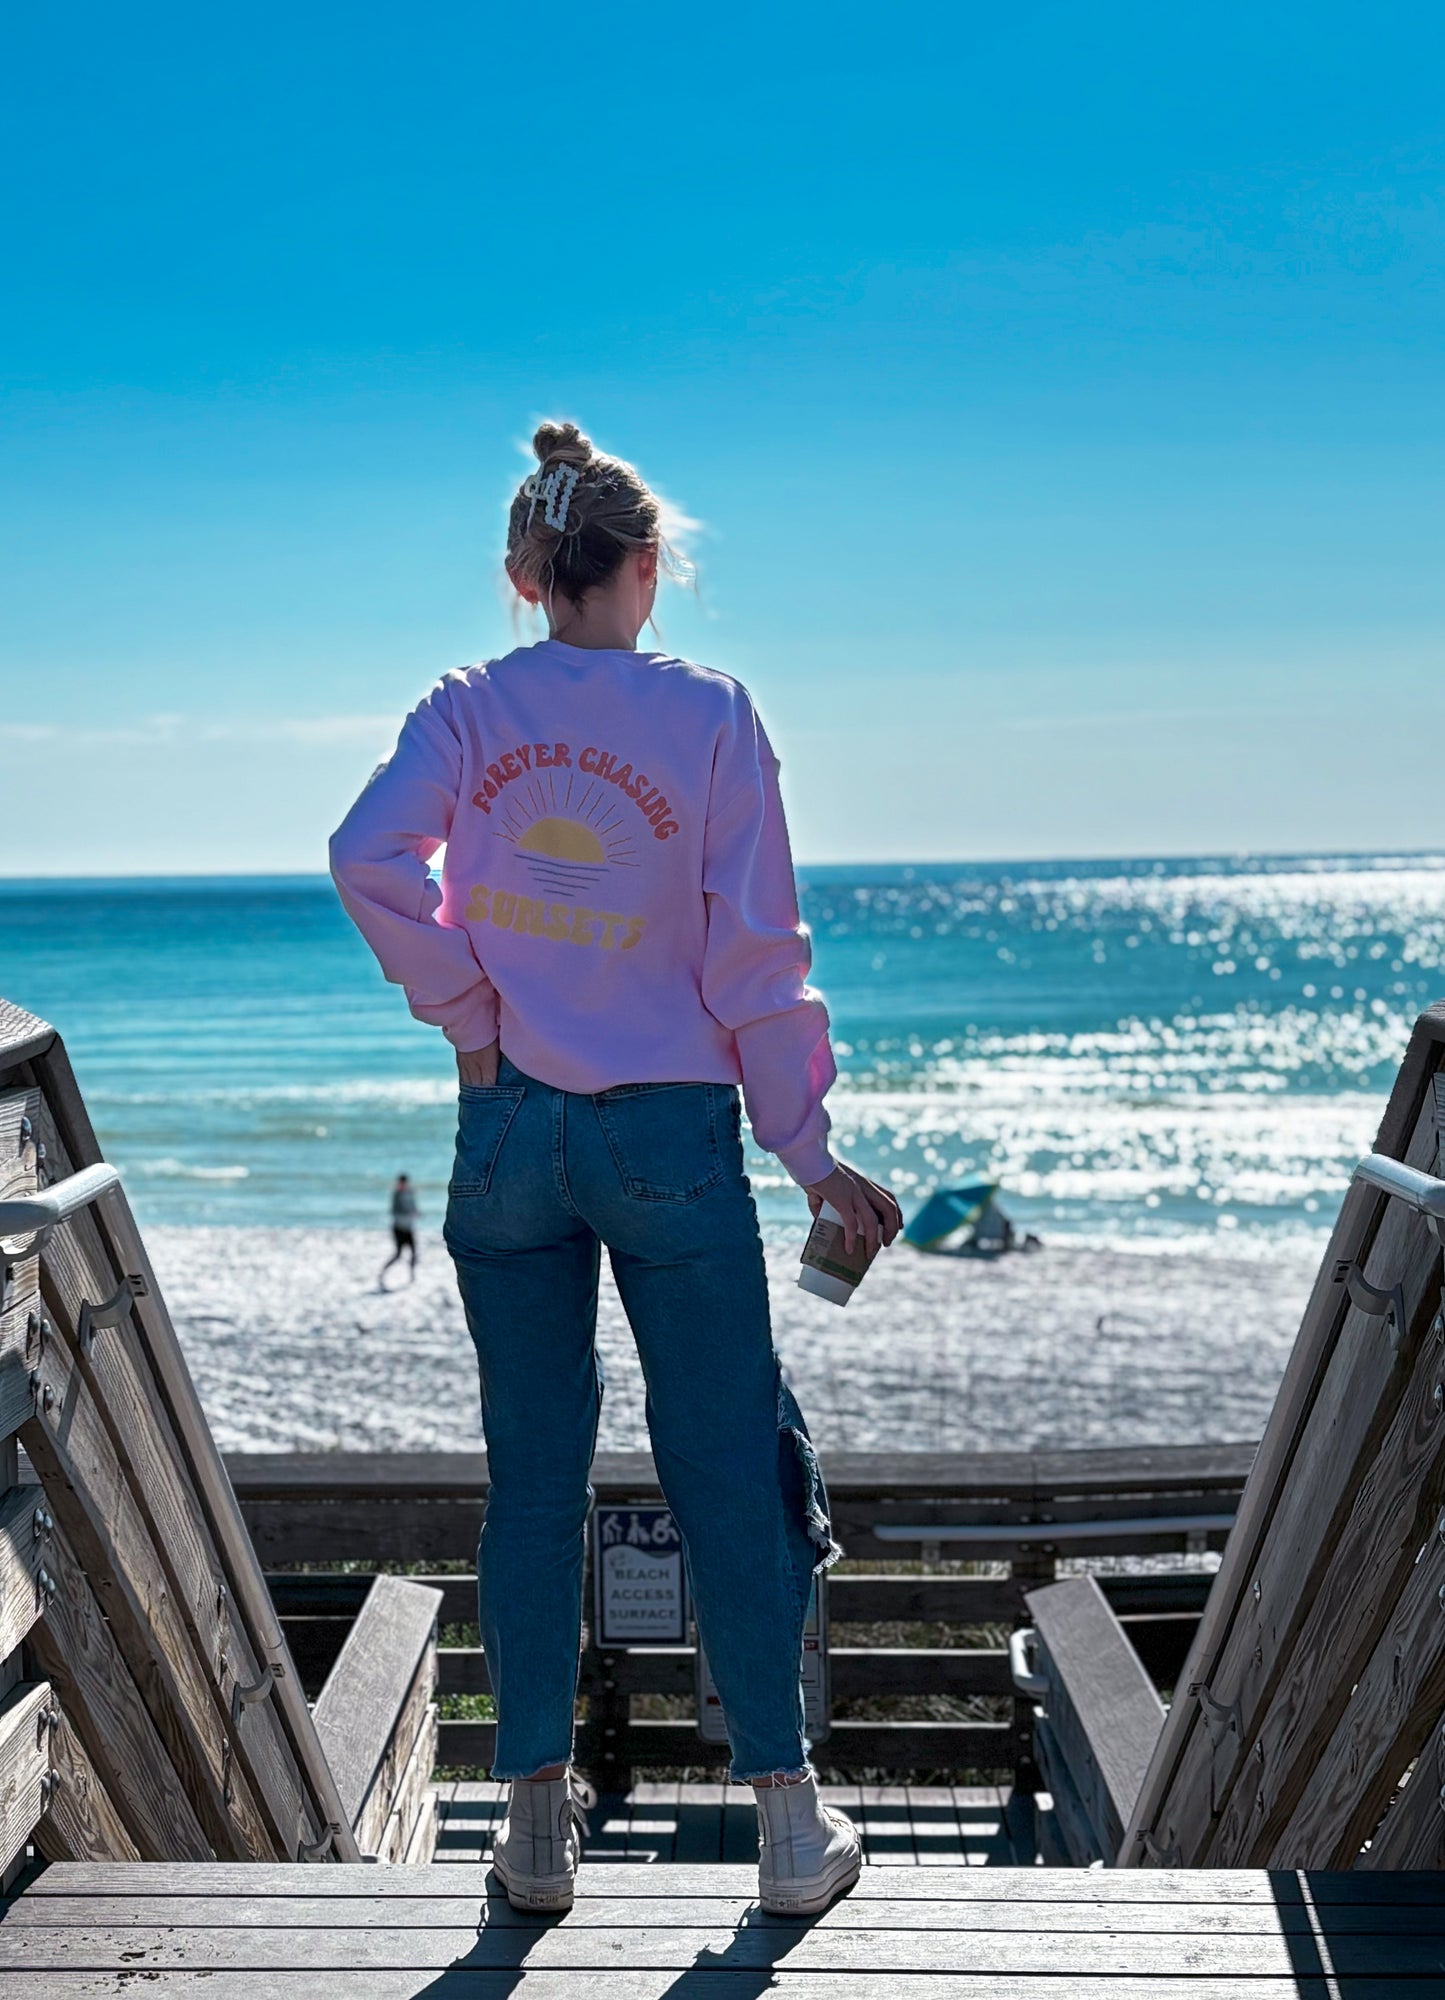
(638, 1582)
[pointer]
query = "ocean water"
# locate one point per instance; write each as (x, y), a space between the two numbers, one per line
(1170, 1054)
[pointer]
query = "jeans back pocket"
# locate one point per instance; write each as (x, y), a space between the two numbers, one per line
(662, 1138)
(484, 1112)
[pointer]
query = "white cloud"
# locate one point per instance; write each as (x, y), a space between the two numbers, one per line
(372, 732)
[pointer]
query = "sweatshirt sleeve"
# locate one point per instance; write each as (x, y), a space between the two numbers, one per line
(757, 955)
(379, 857)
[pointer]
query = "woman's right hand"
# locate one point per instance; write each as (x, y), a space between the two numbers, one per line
(867, 1209)
(479, 1065)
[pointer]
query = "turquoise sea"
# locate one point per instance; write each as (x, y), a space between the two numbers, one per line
(1181, 1051)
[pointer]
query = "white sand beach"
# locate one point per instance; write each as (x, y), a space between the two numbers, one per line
(293, 1348)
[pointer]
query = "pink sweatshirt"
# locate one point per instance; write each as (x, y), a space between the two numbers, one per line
(617, 896)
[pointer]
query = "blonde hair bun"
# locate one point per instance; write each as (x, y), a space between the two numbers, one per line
(561, 444)
(571, 542)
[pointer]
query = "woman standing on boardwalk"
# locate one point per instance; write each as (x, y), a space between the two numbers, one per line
(613, 949)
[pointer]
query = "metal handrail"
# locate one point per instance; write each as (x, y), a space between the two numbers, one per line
(1422, 1192)
(37, 1214)
(1057, 1531)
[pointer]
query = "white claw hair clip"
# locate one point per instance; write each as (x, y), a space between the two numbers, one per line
(554, 489)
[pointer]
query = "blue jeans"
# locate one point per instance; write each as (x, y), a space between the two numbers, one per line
(543, 1177)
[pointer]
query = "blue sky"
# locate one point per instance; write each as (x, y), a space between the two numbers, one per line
(1060, 387)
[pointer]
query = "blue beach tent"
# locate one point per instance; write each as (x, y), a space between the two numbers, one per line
(948, 1211)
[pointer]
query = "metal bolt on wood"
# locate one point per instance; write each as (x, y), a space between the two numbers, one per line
(1258, 1590)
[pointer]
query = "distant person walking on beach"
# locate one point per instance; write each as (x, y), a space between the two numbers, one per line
(614, 947)
(403, 1229)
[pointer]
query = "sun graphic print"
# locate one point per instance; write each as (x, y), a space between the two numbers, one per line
(568, 834)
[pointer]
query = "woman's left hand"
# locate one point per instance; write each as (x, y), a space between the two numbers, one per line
(869, 1212)
(479, 1065)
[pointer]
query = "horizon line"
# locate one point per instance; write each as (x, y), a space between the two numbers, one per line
(299, 875)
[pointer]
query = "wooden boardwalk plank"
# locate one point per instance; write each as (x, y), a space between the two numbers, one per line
(24, 1764)
(1018, 1844)
(740, 1825)
(1031, 1951)
(468, 1816)
(602, 1912)
(22, 1553)
(699, 1823)
(376, 1698)
(1102, 1707)
(80, 1821)
(295, 1478)
(1397, 1699)
(718, 1983)
(17, 1350)
(75, 1647)
(983, 1827)
(652, 1828)
(410, 1829)
(882, 1819)
(1322, 1889)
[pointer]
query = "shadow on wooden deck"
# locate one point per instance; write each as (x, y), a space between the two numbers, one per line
(654, 1932)
(901, 1825)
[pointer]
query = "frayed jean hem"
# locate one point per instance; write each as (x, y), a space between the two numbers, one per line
(737, 1777)
(543, 1764)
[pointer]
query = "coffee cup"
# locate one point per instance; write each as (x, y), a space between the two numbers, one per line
(829, 1270)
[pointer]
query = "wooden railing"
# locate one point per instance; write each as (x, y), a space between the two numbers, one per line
(174, 1726)
(1019, 1513)
(1315, 1717)
(149, 1707)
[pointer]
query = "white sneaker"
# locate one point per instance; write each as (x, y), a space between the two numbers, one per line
(809, 1853)
(540, 1844)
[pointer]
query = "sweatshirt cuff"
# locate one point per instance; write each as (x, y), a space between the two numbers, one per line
(808, 1162)
(474, 1024)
